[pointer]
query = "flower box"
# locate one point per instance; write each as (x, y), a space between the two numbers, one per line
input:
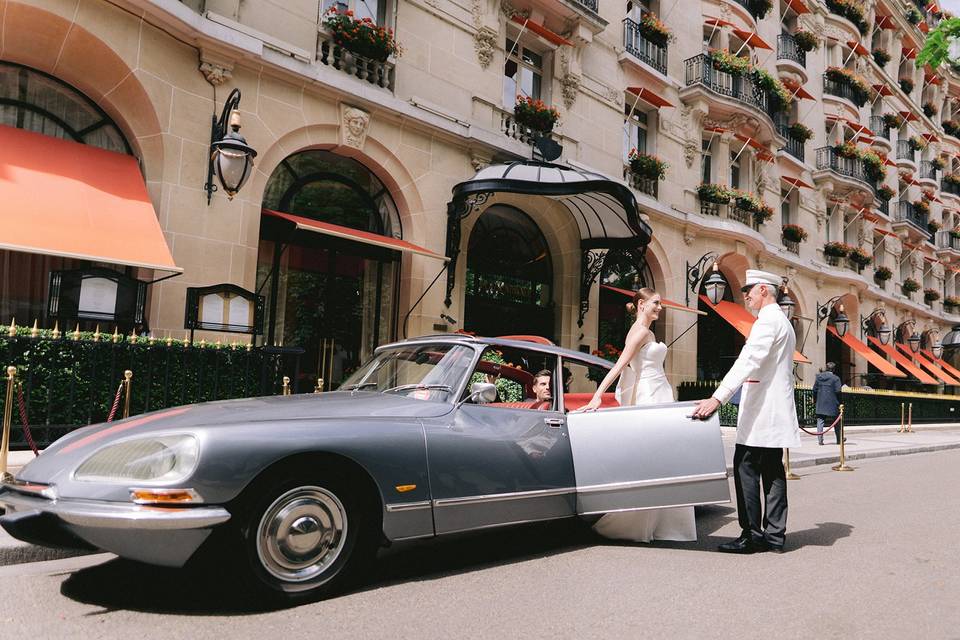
(934, 226)
(951, 302)
(952, 179)
(805, 41)
(913, 16)
(893, 120)
(885, 193)
(922, 207)
(882, 274)
(917, 143)
(859, 86)
(951, 127)
(852, 11)
(653, 29)
(881, 57)
(362, 37)
(725, 61)
(837, 249)
(906, 84)
(938, 163)
(860, 257)
(910, 285)
(715, 193)
(800, 132)
(643, 165)
(535, 114)
(929, 109)
(930, 295)
(794, 233)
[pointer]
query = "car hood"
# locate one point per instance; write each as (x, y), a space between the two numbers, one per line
(332, 407)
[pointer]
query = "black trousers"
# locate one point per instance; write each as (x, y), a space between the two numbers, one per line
(751, 466)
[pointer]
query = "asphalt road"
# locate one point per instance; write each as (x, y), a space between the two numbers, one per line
(870, 554)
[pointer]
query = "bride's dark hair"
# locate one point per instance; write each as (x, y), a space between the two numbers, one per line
(644, 294)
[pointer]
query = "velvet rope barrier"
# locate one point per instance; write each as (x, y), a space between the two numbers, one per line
(827, 430)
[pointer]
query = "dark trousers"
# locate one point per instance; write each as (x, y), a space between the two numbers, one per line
(751, 465)
(822, 423)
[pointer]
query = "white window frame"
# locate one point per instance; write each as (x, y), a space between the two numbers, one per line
(518, 45)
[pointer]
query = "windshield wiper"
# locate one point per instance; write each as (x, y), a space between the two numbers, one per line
(361, 385)
(429, 387)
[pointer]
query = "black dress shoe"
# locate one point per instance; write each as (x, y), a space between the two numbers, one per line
(774, 548)
(742, 545)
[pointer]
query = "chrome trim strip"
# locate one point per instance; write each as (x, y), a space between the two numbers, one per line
(655, 482)
(501, 497)
(687, 504)
(507, 524)
(116, 515)
(408, 506)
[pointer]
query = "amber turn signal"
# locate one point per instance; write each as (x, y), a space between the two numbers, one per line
(164, 496)
(404, 488)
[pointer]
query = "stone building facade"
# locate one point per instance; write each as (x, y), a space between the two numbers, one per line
(378, 147)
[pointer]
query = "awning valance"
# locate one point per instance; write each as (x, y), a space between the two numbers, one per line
(946, 366)
(751, 39)
(929, 366)
(669, 304)
(542, 31)
(63, 198)
(871, 356)
(742, 320)
(904, 362)
(649, 97)
(355, 235)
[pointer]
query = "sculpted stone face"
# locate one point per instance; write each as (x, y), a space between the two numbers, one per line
(357, 122)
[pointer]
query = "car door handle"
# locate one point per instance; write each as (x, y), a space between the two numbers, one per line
(554, 422)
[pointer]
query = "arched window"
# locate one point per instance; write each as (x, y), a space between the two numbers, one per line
(35, 101)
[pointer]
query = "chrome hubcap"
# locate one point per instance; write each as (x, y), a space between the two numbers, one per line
(301, 534)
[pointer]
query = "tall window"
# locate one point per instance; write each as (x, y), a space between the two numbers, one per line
(706, 160)
(785, 205)
(735, 169)
(522, 74)
(376, 10)
(634, 132)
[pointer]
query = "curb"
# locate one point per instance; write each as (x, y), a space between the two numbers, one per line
(883, 453)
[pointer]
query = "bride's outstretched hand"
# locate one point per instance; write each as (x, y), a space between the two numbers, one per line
(593, 405)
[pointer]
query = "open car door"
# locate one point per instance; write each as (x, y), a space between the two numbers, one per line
(646, 457)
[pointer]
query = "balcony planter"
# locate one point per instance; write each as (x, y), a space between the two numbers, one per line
(800, 132)
(643, 165)
(714, 193)
(955, 234)
(881, 57)
(763, 215)
(759, 8)
(806, 41)
(929, 110)
(362, 37)
(953, 179)
(910, 286)
(725, 61)
(938, 163)
(885, 193)
(780, 98)
(872, 166)
(951, 302)
(906, 85)
(917, 143)
(852, 11)
(858, 86)
(892, 120)
(882, 274)
(913, 16)
(794, 233)
(922, 207)
(951, 127)
(653, 30)
(934, 226)
(833, 251)
(930, 295)
(535, 114)
(860, 258)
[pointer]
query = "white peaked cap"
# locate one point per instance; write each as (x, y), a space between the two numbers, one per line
(755, 276)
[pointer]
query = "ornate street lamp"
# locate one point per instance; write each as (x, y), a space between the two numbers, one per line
(937, 349)
(231, 158)
(715, 286)
(840, 320)
(868, 325)
(952, 339)
(914, 339)
(786, 303)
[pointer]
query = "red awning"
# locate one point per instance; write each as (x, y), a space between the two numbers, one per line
(909, 116)
(63, 198)
(888, 162)
(871, 356)
(797, 182)
(906, 363)
(763, 152)
(649, 96)
(886, 22)
(797, 89)
(924, 27)
(858, 48)
(356, 235)
(882, 89)
(798, 7)
(931, 78)
(741, 320)
(910, 53)
(946, 366)
(929, 366)
(542, 31)
(931, 137)
(717, 22)
(752, 39)
(666, 303)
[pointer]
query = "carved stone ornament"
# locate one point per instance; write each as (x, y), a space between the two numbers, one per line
(689, 235)
(485, 43)
(819, 281)
(937, 270)
(354, 124)
(690, 151)
(865, 233)
(916, 260)
(764, 176)
(479, 161)
(215, 74)
(510, 11)
(893, 245)
(571, 87)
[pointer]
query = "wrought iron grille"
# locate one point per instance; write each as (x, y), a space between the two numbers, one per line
(639, 47)
(787, 49)
(699, 70)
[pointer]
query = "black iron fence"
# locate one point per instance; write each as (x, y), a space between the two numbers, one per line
(588, 4)
(787, 49)
(907, 212)
(878, 126)
(700, 70)
(829, 158)
(69, 383)
(860, 407)
(904, 150)
(795, 147)
(928, 171)
(643, 49)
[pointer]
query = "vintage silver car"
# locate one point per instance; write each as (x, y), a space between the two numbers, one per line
(432, 436)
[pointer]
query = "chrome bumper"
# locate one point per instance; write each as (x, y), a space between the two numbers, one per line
(114, 515)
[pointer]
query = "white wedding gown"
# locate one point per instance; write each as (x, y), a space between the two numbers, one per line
(652, 387)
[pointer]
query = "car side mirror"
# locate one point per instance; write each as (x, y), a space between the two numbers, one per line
(481, 393)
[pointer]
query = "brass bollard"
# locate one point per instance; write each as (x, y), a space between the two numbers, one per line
(319, 387)
(286, 385)
(910, 418)
(903, 422)
(127, 381)
(843, 463)
(7, 421)
(790, 474)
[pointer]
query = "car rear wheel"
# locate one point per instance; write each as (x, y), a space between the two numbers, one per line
(306, 540)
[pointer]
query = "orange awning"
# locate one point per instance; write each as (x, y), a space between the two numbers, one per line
(909, 116)
(798, 7)
(946, 366)
(858, 48)
(882, 89)
(931, 137)
(542, 31)
(717, 22)
(356, 235)
(931, 78)
(62, 198)
(762, 152)
(666, 303)
(797, 182)
(751, 38)
(929, 366)
(886, 22)
(741, 320)
(649, 96)
(906, 363)
(910, 53)
(797, 89)
(871, 356)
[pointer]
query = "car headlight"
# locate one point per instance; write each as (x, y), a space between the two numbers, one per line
(157, 459)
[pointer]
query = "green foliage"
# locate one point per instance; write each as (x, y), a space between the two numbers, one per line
(882, 274)
(716, 193)
(507, 390)
(937, 44)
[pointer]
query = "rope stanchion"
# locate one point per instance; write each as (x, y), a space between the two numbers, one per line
(22, 409)
(902, 418)
(127, 381)
(7, 419)
(786, 465)
(116, 403)
(843, 462)
(910, 418)
(825, 431)
(286, 385)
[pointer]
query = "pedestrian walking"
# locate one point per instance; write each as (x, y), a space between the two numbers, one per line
(826, 394)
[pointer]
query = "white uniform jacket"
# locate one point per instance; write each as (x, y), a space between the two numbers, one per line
(768, 414)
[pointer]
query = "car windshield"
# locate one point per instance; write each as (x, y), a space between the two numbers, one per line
(424, 372)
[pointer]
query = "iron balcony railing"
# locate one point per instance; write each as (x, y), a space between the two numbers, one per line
(946, 240)
(948, 186)
(750, 6)
(699, 70)
(588, 4)
(907, 212)
(927, 170)
(878, 126)
(639, 47)
(883, 206)
(787, 49)
(828, 158)
(794, 146)
(839, 89)
(904, 150)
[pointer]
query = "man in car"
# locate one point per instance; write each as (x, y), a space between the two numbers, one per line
(541, 391)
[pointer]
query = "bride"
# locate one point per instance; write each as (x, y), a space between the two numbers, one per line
(643, 381)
